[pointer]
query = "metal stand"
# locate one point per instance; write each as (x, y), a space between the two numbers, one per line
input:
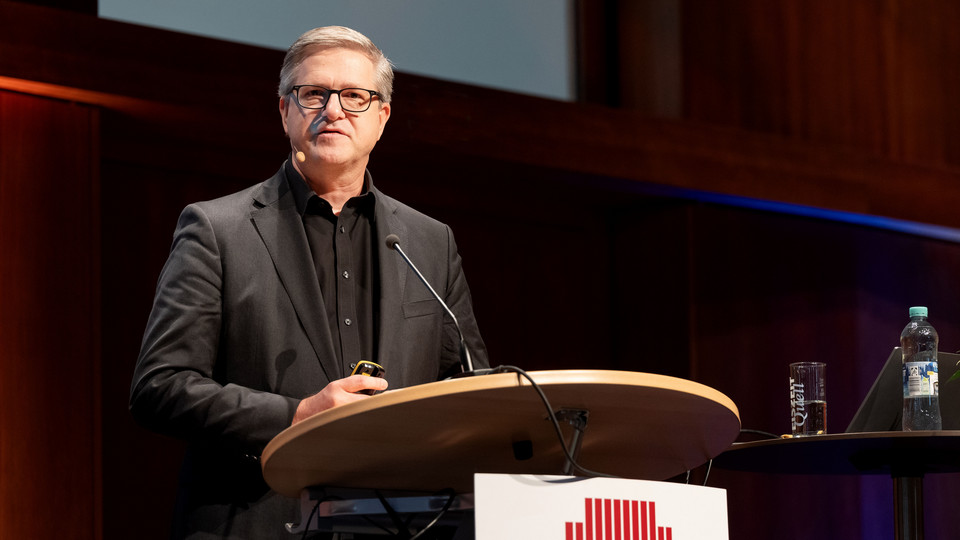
(578, 419)
(908, 507)
(356, 512)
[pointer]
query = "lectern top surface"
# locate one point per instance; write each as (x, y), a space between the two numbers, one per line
(437, 435)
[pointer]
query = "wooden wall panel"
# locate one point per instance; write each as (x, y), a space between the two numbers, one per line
(649, 54)
(878, 77)
(49, 319)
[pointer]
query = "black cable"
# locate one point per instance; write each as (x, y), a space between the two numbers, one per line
(374, 523)
(553, 419)
(394, 517)
(436, 519)
(556, 426)
(402, 529)
(766, 434)
(306, 528)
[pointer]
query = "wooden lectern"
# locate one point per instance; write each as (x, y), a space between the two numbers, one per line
(438, 435)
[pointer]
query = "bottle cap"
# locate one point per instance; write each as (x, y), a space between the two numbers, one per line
(918, 311)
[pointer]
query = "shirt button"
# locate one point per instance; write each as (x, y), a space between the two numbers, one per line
(346, 275)
(347, 322)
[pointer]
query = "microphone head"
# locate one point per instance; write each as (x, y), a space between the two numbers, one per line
(301, 157)
(392, 241)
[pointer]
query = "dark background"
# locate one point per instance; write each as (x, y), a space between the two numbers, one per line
(620, 232)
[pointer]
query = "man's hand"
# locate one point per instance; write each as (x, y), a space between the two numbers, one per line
(336, 393)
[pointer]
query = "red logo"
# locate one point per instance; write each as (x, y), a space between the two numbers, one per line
(617, 519)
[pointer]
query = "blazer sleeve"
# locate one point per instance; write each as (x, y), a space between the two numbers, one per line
(460, 301)
(174, 389)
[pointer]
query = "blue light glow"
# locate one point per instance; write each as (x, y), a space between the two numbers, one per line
(927, 230)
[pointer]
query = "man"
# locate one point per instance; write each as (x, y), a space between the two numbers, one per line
(271, 295)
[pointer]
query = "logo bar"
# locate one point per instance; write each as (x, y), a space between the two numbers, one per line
(617, 519)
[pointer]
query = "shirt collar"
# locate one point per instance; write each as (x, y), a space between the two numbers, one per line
(302, 193)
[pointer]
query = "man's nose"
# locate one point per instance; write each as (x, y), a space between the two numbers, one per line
(333, 110)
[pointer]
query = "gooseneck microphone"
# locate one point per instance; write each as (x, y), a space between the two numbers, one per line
(393, 242)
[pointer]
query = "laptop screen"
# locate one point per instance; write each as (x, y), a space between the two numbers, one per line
(882, 409)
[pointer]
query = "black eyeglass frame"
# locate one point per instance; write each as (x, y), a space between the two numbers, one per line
(295, 90)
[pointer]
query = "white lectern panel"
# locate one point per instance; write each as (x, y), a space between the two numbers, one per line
(522, 507)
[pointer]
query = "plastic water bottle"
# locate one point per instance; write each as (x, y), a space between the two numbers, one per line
(921, 389)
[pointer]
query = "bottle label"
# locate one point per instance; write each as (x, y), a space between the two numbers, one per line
(920, 379)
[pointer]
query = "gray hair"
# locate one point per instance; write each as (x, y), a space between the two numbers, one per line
(335, 37)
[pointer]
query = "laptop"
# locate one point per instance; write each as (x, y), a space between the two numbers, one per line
(882, 409)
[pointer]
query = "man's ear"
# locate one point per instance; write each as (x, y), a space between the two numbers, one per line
(384, 114)
(283, 113)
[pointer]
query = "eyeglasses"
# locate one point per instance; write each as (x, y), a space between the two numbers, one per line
(355, 100)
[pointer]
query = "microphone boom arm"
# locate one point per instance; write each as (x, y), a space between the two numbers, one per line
(466, 363)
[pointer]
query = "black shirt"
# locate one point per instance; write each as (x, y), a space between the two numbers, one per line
(345, 258)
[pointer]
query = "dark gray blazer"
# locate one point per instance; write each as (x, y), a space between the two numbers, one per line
(238, 335)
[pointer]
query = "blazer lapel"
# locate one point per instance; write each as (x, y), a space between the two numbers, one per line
(281, 230)
(393, 276)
